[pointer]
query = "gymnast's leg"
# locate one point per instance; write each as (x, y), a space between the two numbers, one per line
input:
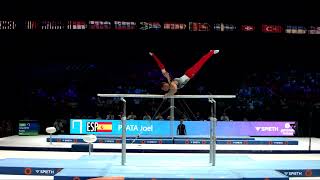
(191, 72)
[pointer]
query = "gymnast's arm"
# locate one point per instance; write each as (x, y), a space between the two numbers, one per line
(161, 66)
(166, 74)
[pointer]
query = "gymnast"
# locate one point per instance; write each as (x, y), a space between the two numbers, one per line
(172, 86)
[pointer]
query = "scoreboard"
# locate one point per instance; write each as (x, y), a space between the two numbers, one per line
(29, 128)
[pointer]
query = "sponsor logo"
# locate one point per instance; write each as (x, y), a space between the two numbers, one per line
(287, 125)
(288, 131)
(68, 140)
(278, 142)
(293, 173)
(80, 124)
(269, 129)
(110, 141)
(195, 142)
(45, 171)
(237, 142)
(152, 142)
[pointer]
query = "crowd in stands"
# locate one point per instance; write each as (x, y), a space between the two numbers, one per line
(6, 128)
(278, 95)
(261, 92)
(262, 96)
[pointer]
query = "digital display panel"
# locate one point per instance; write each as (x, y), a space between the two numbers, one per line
(162, 128)
(28, 128)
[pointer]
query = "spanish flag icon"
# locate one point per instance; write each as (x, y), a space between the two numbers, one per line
(104, 127)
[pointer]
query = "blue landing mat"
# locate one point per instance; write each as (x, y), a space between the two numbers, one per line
(172, 166)
(214, 175)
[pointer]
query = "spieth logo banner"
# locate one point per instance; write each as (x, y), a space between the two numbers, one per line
(255, 128)
(163, 128)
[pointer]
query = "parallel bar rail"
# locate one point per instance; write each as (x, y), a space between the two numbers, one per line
(162, 96)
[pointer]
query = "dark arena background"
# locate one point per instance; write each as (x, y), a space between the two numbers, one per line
(55, 61)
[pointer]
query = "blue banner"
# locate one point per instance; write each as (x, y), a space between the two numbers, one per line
(193, 128)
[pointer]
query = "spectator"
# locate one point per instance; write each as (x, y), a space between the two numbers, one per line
(9, 128)
(1, 129)
(132, 116)
(121, 115)
(198, 116)
(146, 116)
(159, 117)
(295, 129)
(98, 115)
(110, 116)
(224, 117)
(59, 126)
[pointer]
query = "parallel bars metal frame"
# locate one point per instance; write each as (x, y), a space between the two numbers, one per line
(213, 119)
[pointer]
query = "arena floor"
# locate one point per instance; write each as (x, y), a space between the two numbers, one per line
(153, 164)
(57, 161)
